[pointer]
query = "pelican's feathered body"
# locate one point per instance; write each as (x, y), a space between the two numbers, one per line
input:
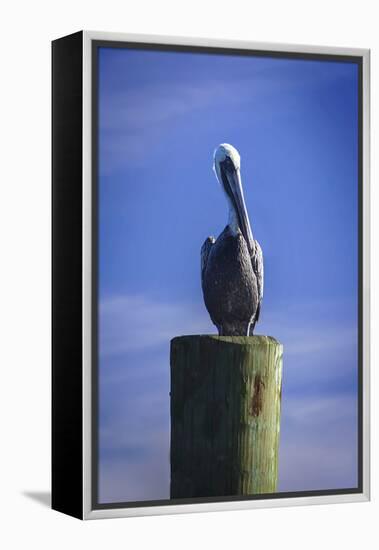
(232, 265)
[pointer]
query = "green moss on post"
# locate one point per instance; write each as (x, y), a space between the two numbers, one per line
(225, 415)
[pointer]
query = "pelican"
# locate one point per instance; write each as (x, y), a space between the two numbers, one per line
(232, 265)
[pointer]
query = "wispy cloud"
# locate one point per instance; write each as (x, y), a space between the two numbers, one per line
(147, 107)
(318, 447)
(134, 432)
(134, 124)
(314, 337)
(320, 344)
(130, 323)
(337, 408)
(138, 466)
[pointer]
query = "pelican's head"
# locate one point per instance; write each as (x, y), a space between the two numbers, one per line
(226, 153)
(227, 162)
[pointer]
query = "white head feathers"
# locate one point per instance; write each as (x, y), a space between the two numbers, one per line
(226, 150)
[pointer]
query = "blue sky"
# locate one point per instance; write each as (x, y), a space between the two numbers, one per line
(294, 122)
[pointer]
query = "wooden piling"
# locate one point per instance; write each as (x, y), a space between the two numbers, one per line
(225, 415)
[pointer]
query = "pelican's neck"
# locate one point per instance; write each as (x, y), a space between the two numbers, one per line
(233, 219)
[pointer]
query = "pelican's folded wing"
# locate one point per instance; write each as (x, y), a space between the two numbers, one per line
(205, 249)
(257, 262)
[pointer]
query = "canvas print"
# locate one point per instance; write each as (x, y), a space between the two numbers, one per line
(227, 359)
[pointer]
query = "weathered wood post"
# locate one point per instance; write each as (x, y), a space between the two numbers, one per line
(225, 415)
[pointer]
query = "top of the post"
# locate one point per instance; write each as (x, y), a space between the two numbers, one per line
(256, 340)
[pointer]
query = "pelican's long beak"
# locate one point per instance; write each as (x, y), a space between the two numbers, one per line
(231, 179)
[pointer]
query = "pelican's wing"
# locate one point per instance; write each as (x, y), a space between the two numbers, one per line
(257, 262)
(205, 249)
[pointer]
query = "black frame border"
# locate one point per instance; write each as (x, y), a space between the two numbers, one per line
(355, 59)
(67, 292)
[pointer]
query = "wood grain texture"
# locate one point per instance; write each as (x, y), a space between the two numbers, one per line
(225, 415)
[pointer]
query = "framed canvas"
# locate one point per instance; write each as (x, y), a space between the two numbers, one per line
(210, 275)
